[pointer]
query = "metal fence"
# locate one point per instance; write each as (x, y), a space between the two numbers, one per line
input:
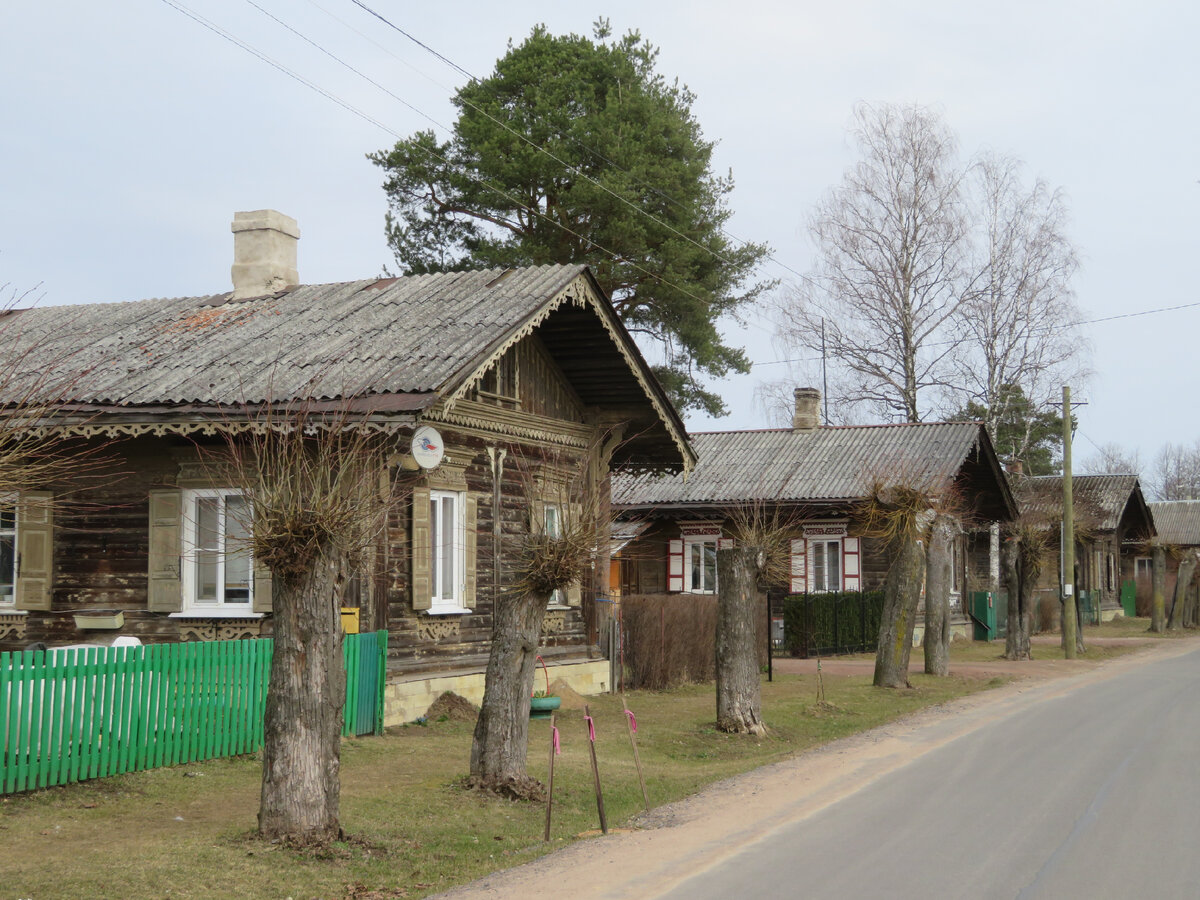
(73, 714)
(831, 623)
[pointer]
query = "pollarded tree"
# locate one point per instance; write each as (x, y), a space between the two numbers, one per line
(578, 150)
(892, 267)
(898, 515)
(1183, 582)
(314, 506)
(556, 553)
(1158, 587)
(739, 692)
(938, 580)
(1025, 554)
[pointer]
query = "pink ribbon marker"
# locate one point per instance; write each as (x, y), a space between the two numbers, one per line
(591, 729)
(557, 746)
(632, 721)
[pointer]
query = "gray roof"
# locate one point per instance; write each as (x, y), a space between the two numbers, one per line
(826, 464)
(394, 345)
(1100, 501)
(404, 335)
(1177, 521)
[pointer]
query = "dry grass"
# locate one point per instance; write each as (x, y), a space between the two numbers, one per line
(185, 832)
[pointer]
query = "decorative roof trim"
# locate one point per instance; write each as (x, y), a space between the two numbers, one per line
(582, 292)
(162, 429)
(551, 431)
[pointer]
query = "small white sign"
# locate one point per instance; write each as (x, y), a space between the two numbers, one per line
(1068, 590)
(427, 447)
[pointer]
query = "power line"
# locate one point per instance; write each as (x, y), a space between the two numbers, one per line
(474, 79)
(216, 29)
(1129, 315)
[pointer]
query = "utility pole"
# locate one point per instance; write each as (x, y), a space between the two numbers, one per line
(1069, 622)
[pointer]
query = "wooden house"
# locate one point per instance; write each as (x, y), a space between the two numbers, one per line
(1112, 520)
(811, 479)
(1177, 524)
(526, 377)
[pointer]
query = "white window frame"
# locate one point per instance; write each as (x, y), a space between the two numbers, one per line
(956, 574)
(9, 601)
(448, 585)
(825, 542)
(552, 525)
(689, 587)
(1143, 567)
(192, 604)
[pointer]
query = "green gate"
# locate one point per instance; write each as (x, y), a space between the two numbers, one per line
(989, 615)
(1129, 598)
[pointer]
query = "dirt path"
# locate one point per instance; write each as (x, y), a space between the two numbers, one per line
(1028, 670)
(681, 839)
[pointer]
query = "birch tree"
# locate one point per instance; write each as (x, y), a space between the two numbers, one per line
(1112, 459)
(891, 242)
(1017, 339)
(1175, 472)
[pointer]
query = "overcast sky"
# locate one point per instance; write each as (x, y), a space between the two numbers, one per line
(131, 133)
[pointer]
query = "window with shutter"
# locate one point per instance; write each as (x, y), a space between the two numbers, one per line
(8, 550)
(675, 565)
(799, 565)
(164, 589)
(33, 524)
(218, 571)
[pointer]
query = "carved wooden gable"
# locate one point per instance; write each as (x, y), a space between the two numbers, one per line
(527, 379)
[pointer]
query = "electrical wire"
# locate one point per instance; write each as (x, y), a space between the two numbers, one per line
(516, 203)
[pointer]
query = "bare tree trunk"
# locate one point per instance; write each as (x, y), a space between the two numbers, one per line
(305, 698)
(901, 591)
(1158, 589)
(937, 595)
(502, 729)
(1187, 568)
(739, 695)
(1189, 608)
(1020, 602)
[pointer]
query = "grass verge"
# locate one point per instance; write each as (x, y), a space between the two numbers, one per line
(186, 832)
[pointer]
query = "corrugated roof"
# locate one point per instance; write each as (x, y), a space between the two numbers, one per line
(1177, 521)
(825, 464)
(1099, 500)
(404, 335)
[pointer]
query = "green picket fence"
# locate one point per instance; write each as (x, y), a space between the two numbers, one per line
(74, 714)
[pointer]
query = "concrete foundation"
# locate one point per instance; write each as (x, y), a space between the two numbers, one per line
(407, 697)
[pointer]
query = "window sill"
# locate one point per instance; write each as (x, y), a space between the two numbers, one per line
(210, 613)
(448, 611)
(557, 606)
(12, 611)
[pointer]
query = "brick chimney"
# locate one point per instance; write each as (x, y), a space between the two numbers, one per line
(807, 416)
(264, 253)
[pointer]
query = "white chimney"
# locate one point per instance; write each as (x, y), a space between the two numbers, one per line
(264, 253)
(807, 416)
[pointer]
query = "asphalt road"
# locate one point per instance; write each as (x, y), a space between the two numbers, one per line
(1090, 793)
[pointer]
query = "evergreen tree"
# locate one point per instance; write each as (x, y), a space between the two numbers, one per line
(576, 150)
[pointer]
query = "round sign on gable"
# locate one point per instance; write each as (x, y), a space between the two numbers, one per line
(427, 447)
